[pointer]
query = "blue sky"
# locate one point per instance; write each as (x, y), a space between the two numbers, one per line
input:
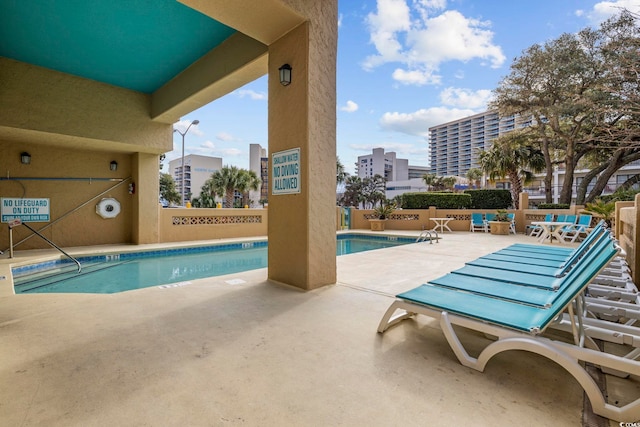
(403, 66)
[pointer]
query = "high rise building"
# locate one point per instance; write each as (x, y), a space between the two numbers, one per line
(400, 176)
(454, 145)
(197, 169)
(384, 164)
(259, 163)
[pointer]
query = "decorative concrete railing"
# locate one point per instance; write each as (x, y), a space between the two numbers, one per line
(182, 224)
(419, 219)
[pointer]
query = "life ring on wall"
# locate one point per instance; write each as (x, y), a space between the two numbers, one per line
(108, 208)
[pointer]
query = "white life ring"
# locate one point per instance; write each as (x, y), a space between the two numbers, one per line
(108, 208)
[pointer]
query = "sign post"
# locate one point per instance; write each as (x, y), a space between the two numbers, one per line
(285, 172)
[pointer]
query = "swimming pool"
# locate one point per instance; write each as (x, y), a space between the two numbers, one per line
(170, 267)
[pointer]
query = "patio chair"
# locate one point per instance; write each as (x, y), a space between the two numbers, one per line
(477, 222)
(536, 230)
(512, 222)
(573, 232)
(517, 315)
(488, 217)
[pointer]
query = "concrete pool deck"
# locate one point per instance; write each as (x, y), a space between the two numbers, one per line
(240, 350)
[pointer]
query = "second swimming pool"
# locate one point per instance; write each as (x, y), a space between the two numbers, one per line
(128, 271)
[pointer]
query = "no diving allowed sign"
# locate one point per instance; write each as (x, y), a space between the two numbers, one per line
(285, 172)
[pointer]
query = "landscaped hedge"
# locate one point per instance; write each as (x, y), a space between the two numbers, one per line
(490, 199)
(553, 206)
(439, 200)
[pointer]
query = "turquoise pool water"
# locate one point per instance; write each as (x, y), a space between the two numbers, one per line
(128, 271)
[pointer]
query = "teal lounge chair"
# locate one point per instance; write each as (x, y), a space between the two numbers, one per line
(517, 315)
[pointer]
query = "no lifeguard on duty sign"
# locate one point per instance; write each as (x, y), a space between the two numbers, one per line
(26, 210)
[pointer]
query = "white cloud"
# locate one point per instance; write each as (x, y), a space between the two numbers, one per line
(208, 145)
(416, 77)
(465, 98)
(392, 18)
(233, 152)
(350, 107)
(257, 96)
(423, 43)
(419, 122)
(227, 137)
(605, 9)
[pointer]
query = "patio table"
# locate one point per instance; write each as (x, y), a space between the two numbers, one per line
(441, 224)
(551, 229)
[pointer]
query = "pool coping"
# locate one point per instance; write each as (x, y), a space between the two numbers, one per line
(40, 259)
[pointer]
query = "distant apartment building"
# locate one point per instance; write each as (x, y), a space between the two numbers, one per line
(197, 170)
(401, 177)
(454, 145)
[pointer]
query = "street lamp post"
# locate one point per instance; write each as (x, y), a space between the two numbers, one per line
(195, 122)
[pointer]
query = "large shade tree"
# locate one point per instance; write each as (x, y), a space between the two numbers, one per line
(581, 92)
(168, 189)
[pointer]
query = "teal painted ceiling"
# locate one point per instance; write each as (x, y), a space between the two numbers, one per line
(134, 44)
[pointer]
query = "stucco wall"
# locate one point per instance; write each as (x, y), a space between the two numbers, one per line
(51, 166)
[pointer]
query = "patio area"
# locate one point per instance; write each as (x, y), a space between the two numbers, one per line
(240, 350)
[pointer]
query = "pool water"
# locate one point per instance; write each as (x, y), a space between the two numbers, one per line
(124, 272)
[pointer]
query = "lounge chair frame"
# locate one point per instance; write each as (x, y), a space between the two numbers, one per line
(569, 356)
(517, 318)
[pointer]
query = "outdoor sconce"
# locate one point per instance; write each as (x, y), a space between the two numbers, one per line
(285, 75)
(113, 165)
(25, 158)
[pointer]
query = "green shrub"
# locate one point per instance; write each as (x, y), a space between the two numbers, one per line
(553, 206)
(490, 199)
(620, 196)
(438, 200)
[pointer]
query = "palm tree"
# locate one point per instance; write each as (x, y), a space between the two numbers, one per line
(474, 175)
(604, 210)
(352, 195)
(511, 157)
(429, 180)
(247, 181)
(207, 196)
(225, 182)
(341, 174)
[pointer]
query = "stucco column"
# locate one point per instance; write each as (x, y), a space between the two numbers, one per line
(302, 115)
(146, 180)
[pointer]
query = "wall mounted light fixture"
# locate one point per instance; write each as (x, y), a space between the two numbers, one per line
(25, 158)
(285, 75)
(113, 165)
